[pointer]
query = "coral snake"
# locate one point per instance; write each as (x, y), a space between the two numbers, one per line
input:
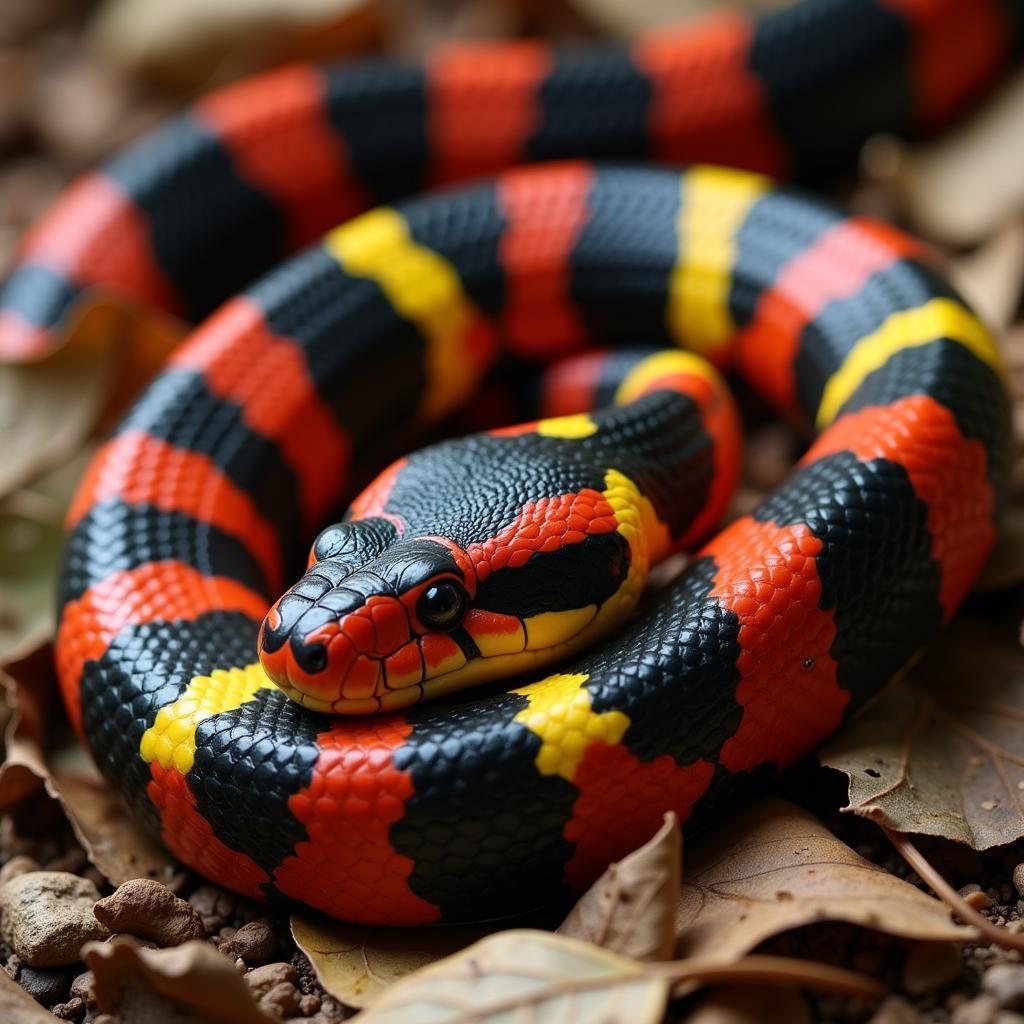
(517, 544)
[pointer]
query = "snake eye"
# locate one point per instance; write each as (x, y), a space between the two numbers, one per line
(442, 605)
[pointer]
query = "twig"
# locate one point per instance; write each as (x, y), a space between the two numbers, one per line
(777, 970)
(930, 876)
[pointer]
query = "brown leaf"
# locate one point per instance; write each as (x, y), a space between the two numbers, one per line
(113, 841)
(626, 19)
(357, 964)
(538, 975)
(31, 521)
(49, 408)
(193, 975)
(754, 1005)
(29, 688)
(1005, 566)
(17, 1006)
(991, 276)
(187, 44)
(963, 187)
(942, 752)
(774, 867)
(631, 908)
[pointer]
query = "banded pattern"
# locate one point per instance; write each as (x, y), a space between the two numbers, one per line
(787, 620)
(188, 216)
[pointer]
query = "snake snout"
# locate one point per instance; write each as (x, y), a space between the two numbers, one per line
(326, 645)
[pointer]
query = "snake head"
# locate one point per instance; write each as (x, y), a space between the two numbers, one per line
(368, 638)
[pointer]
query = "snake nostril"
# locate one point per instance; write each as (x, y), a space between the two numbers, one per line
(311, 658)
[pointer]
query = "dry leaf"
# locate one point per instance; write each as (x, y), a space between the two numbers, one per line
(29, 688)
(1005, 566)
(526, 975)
(357, 964)
(626, 19)
(193, 975)
(49, 408)
(631, 908)
(774, 867)
(17, 1006)
(113, 841)
(963, 187)
(991, 277)
(754, 1005)
(187, 44)
(942, 752)
(31, 522)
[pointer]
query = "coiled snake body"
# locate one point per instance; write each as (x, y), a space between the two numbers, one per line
(210, 489)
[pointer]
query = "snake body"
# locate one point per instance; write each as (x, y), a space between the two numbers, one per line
(208, 492)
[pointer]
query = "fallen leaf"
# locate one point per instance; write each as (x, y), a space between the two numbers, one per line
(48, 409)
(29, 694)
(1005, 566)
(17, 1006)
(991, 276)
(626, 19)
(31, 521)
(188, 44)
(193, 975)
(963, 187)
(754, 1005)
(357, 964)
(527, 975)
(942, 752)
(113, 841)
(631, 908)
(774, 867)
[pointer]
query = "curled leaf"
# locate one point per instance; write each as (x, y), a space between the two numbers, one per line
(113, 841)
(942, 752)
(990, 278)
(631, 908)
(31, 521)
(531, 974)
(357, 964)
(49, 408)
(938, 183)
(183, 44)
(29, 694)
(193, 975)
(774, 867)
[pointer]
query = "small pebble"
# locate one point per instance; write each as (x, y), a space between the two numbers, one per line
(979, 1010)
(282, 1000)
(19, 865)
(254, 942)
(1005, 983)
(263, 979)
(81, 988)
(931, 965)
(47, 917)
(214, 905)
(46, 985)
(896, 1011)
(71, 1010)
(142, 906)
(309, 1004)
